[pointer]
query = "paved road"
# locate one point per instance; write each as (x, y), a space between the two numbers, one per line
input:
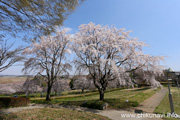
(151, 103)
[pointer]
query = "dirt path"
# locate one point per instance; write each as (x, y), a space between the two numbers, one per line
(151, 103)
(148, 106)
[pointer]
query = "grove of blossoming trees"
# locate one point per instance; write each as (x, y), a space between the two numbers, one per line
(106, 53)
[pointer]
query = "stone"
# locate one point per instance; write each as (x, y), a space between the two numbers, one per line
(138, 111)
(105, 106)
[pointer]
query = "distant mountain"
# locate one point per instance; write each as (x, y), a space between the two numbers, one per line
(15, 75)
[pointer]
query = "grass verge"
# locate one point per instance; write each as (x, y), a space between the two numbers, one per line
(164, 106)
(116, 99)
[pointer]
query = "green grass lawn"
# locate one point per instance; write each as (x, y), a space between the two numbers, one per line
(164, 106)
(115, 98)
(63, 93)
(52, 114)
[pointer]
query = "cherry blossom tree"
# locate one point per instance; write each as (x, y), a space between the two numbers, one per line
(30, 86)
(83, 83)
(48, 58)
(147, 77)
(11, 88)
(60, 85)
(107, 53)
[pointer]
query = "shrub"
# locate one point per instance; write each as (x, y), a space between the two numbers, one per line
(134, 103)
(7, 102)
(112, 103)
(94, 104)
(120, 104)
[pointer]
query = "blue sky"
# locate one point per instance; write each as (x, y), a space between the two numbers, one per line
(157, 22)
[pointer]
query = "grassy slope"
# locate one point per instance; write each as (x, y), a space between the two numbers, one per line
(52, 114)
(116, 99)
(164, 106)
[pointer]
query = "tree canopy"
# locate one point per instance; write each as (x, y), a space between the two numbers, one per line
(36, 17)
(9, 57)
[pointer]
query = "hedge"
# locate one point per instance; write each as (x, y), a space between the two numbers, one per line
(94, 104)
(112, 104)
(7, 102)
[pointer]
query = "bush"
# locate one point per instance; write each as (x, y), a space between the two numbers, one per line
(7, 102)
(133, 103)
(121, 104)
(112, 104)
(94, 104)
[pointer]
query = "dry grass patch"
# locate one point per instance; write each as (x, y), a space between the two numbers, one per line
(5, 80)
(52, 114)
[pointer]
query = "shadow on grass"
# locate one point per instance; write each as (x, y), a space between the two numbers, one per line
(94, 104)
(120, 104)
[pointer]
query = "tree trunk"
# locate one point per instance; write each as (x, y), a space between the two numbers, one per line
(82, 90)
(27, 93)
(59, 92)
(41, 94)
(101, 95)
(55, 93)
(48, 93)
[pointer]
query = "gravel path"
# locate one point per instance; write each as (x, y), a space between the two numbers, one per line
(148, 106)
